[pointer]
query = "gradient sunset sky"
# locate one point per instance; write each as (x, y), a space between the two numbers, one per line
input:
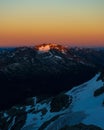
(73, 22)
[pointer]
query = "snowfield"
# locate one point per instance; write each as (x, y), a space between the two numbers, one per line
(84, 100)
(85, 108)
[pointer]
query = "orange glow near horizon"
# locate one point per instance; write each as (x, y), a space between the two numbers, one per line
(64, 22)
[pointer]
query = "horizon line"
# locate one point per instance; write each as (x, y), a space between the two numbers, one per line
(66, 45)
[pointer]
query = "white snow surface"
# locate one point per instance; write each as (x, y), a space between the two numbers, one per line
(45, 48)
(85, 108)
(35, 120)
(84, 100)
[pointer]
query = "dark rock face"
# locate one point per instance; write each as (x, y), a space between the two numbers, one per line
(60, 102)
(18, 115)
(99, 91)
(27, 72)
(81, 127)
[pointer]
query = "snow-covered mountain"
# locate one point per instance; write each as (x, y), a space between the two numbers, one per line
(81, 108)
(47, 69)
(49, 73)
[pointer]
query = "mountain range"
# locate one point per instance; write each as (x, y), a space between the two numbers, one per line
(51, 87)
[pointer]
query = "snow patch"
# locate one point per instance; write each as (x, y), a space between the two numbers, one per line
(58, 57)
(45, 48)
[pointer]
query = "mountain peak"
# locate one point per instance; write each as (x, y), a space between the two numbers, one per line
(47, 47)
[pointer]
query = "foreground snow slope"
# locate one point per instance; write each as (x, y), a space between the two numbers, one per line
(84, 108)
(84, 100)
